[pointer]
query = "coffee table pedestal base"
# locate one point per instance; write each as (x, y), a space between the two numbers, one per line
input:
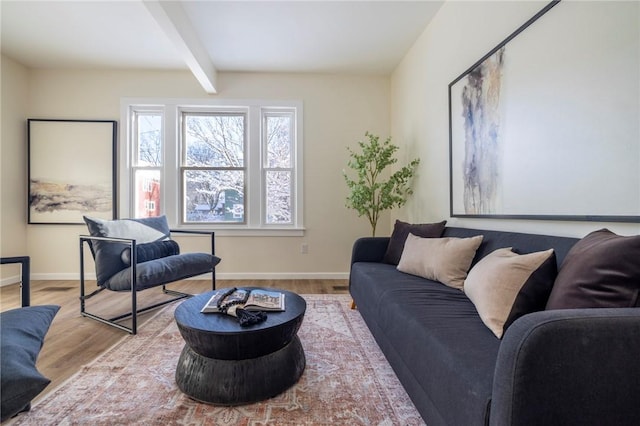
(237, 382)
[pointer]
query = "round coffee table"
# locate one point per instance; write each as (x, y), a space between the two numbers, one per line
(223, 363)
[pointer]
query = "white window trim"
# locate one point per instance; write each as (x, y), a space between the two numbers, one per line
(171, 108)
(181, 110)
(264, 112)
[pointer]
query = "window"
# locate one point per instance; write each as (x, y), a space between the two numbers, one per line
(147, 161)
(229, 166)
(278, 167)
(213, 169)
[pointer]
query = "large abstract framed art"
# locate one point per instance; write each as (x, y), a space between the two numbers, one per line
(545, 125)
(72, 170)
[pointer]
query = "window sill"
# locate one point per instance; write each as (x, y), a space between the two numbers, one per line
(244, 232)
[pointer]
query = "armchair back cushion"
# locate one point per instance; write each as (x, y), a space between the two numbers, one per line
(107, 255)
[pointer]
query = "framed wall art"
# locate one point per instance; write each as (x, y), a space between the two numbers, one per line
(72, 170)
(544, 126)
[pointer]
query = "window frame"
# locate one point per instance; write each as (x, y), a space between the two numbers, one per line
(278, 112)
(133, 121)
(182, 146)
(171, 201)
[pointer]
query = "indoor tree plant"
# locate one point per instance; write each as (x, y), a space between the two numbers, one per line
(369, 192)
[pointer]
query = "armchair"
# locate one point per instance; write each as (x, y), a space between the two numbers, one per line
(132, 255)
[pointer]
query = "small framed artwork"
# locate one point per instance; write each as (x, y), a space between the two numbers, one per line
(72, 170)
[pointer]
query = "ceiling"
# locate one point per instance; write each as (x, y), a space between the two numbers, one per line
(210, 36)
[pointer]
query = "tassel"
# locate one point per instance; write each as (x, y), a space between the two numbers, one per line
(246, 318)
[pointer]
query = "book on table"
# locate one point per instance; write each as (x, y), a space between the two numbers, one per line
(250, 300)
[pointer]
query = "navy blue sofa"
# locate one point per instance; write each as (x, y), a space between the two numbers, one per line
(560, 367)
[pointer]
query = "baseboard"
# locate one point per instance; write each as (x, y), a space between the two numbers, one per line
(9, 280)
(283, 276)
(219, 275)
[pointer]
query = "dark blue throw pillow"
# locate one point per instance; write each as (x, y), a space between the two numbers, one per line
(151, 251)
(401, 231)
(22, 332)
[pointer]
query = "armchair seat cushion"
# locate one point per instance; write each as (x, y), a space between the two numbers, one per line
(163, 271)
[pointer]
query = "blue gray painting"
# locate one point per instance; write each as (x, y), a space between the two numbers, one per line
(480, 109)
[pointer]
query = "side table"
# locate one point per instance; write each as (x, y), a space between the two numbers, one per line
(223, 363)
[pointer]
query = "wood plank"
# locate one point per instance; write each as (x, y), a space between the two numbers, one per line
(74, 341)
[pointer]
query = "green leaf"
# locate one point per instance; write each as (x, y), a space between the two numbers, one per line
(369, 193)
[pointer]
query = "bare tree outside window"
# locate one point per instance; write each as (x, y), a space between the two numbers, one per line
(214, 167)
(149, 140)
(278, 130)
(147, 163)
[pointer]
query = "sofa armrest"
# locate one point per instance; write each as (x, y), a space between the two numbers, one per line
(569, 367)
(369, 249)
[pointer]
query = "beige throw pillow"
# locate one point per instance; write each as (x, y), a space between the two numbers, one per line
(505, 285)
(441, 259)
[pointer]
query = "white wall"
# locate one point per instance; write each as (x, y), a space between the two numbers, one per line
(337, 112)
(13, 163)
(412, 105)
(461, 33)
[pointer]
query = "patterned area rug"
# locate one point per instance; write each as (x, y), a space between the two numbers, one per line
(347, 381)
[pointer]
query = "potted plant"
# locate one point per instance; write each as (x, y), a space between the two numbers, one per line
(369, 192)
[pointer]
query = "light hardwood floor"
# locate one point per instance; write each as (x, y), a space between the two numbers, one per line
(73, 340)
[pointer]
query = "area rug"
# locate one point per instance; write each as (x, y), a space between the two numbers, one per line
(347, 381)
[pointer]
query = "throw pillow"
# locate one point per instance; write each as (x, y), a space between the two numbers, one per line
(399, 235)
(151, 251)
(505, 285)
(22, 332)
(107, 255)
(441, 259)
(602, 270)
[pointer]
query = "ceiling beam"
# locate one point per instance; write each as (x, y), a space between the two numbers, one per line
(176, 25)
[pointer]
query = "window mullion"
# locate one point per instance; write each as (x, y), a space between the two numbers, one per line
(171, 188)
(255, 176)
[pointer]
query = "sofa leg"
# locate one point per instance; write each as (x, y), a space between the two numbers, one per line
(353, 304)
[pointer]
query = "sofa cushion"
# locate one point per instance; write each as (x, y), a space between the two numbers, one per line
(504, 286)
(108, 254)
(602, 270)
(433, 338)
(442, 259)
(401, 231)
(150, 251)
(22, 333)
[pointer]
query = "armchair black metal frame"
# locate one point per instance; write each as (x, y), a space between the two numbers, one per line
(113, 321)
